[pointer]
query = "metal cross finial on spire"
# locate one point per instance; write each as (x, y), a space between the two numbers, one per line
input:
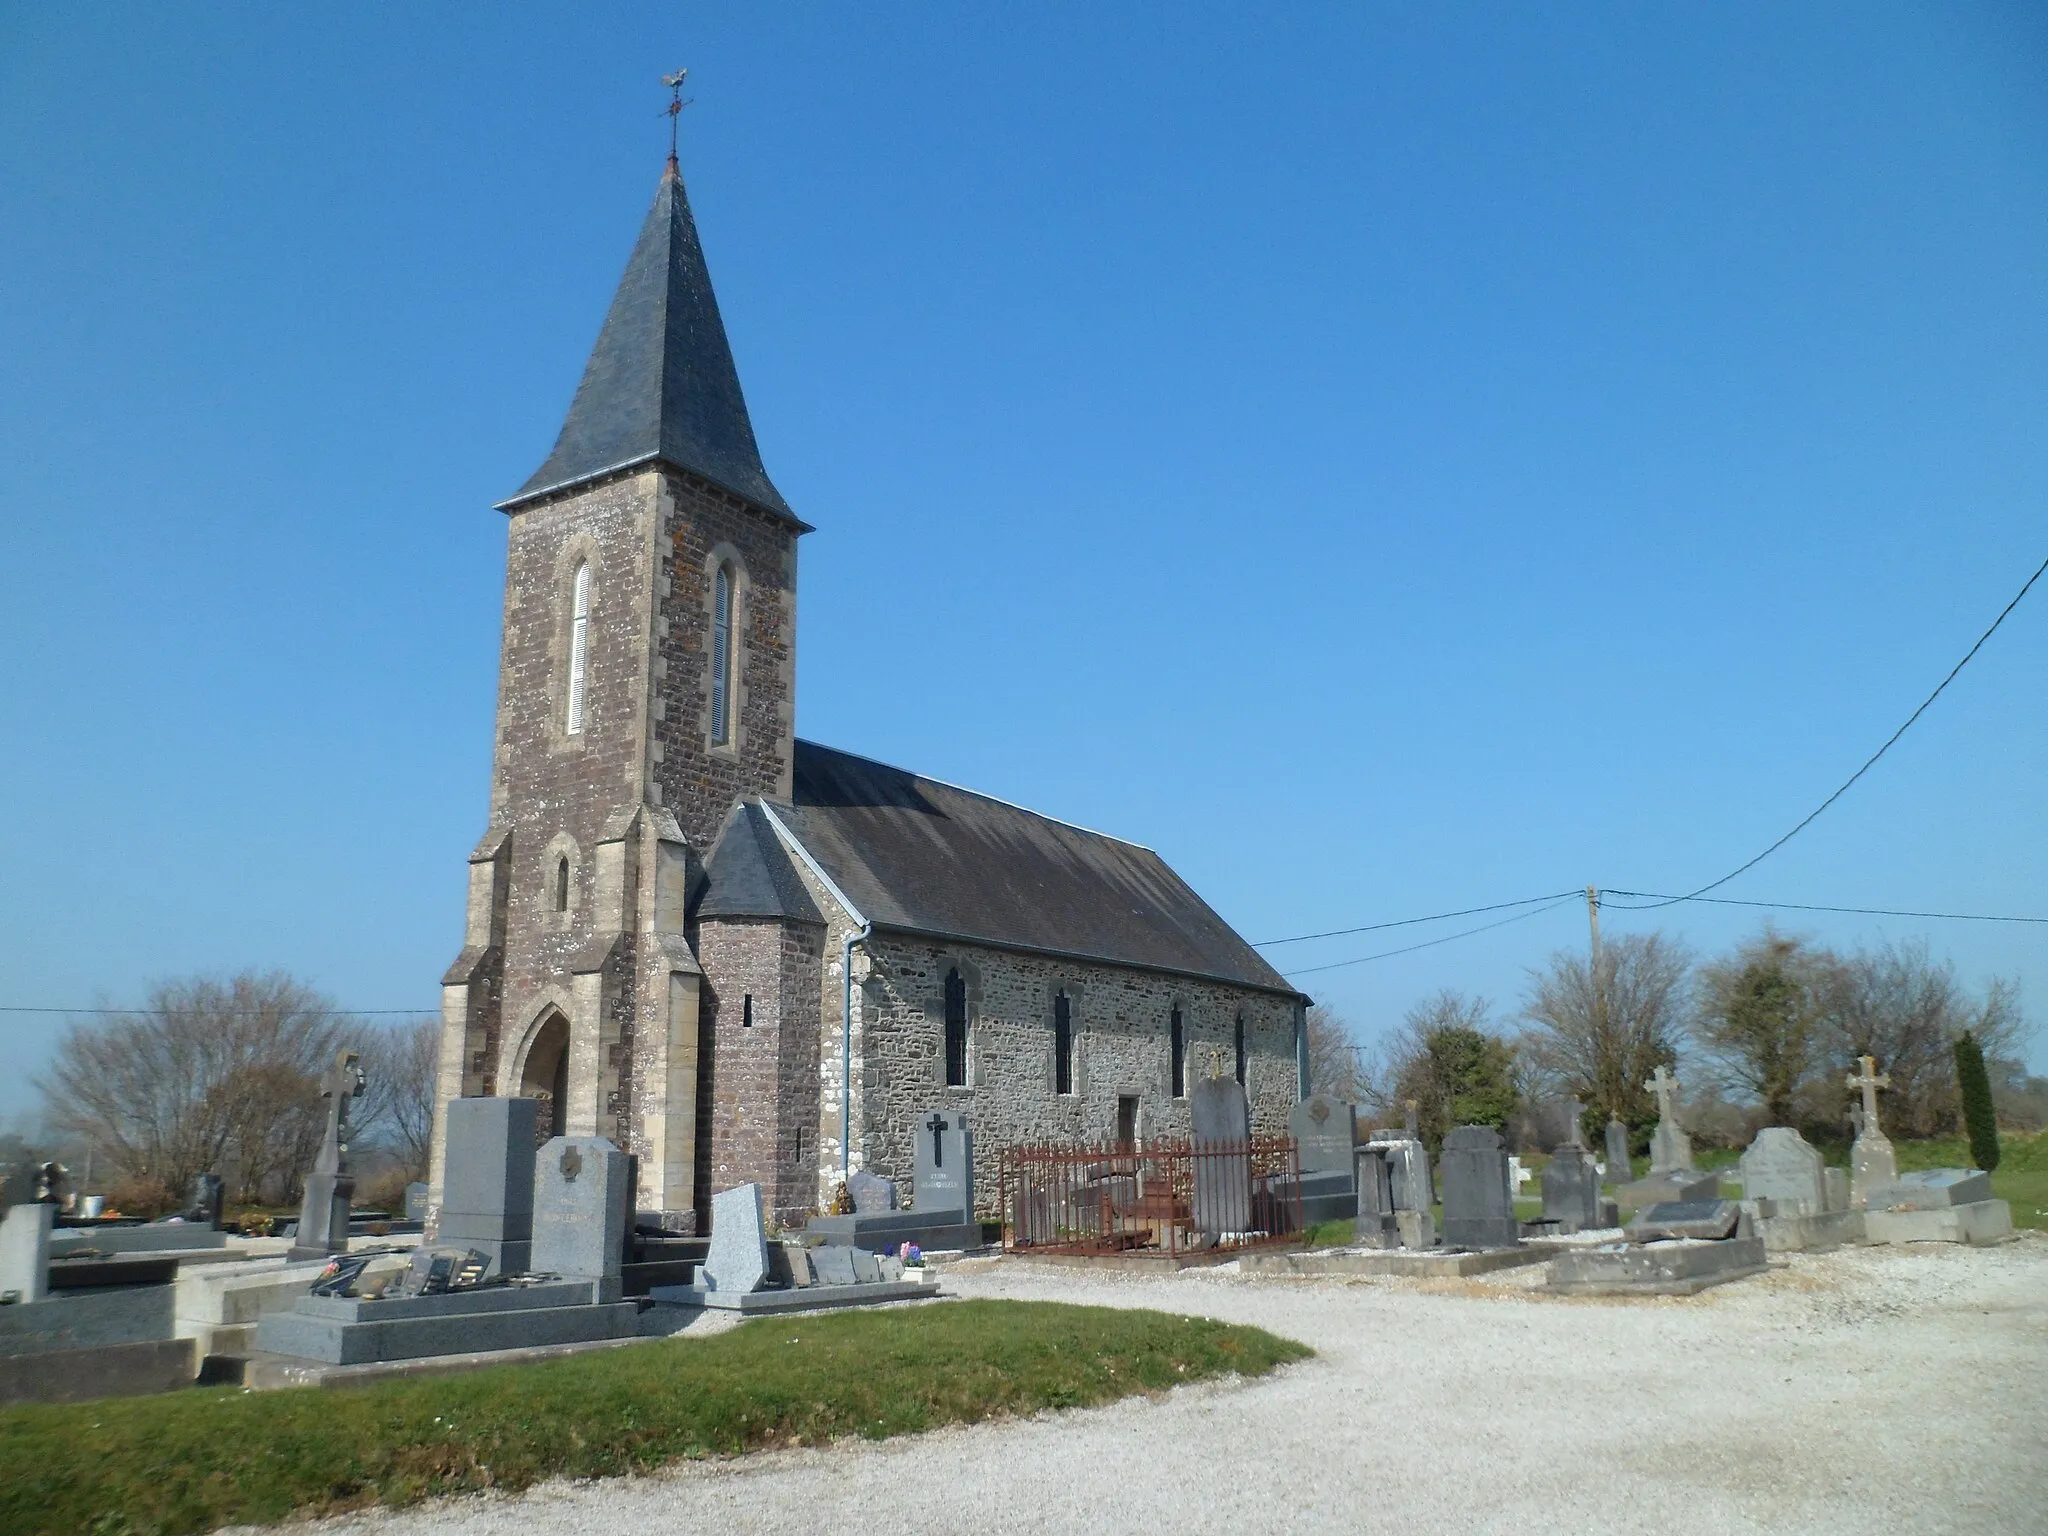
(674, 110)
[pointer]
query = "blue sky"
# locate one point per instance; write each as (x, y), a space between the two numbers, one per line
(1387, 459)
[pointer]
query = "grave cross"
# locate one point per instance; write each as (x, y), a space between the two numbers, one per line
(1575, 1112)
(1869, 1081)
(1664, 1085)
(342, 1082)
(1412, 1118)
(937, 1126)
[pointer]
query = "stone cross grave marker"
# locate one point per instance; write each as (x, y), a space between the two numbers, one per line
(1781, 1166)
(738, 1258)
(582, 1206)
(1479, 1212)
(1411, 1119)
(945, 1167)
(1574, 1132)
(1325, 1135)
(1872, 1162)
(330, 1187)
(1223, 1166)
(1618, 1166)
(1670, 1147)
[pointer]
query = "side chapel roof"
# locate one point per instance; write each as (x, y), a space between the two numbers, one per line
(922, 856)
(660, 385)
(749, 873)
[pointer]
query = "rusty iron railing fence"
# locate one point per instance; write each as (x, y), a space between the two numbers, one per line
(1166, 1198)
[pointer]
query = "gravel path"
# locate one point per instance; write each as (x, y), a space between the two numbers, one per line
(1864, 1391)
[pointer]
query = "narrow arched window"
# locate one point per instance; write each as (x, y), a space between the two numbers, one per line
(579, 648)
(562, 884)
(1062, 1043)
(1177, 1042)
(956, 1030)
(721, 657)
(1240, 1050)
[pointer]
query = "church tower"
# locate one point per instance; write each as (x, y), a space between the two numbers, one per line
(646, 684)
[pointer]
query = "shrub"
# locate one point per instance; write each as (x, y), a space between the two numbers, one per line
(1979, 1118)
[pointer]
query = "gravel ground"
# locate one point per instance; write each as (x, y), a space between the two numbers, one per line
(1863, 1391)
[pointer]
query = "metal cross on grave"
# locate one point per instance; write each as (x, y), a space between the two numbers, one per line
(937, 1126)
(1665, 1086)
(1869, 1080)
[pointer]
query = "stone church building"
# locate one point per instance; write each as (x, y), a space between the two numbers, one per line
(747, 957)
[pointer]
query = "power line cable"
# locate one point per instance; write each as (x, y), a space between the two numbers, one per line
(1880, 752)
(1431, 943)
(1409, 922)
(1658, 898)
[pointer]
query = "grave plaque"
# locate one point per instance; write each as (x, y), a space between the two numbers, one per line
(945, 1166)
(1571, 1189)
(1709, 1219)
(415, 1202)
(582, 1206)
(799, 1258)
(1479, 1211)
(1782, 1167)
(1619, 1170)
(871, 1194)
(1325, 1135)
(738, 1258)
(867, 1268)
(487, 1189)
(1223, 1165)
(833, 1265)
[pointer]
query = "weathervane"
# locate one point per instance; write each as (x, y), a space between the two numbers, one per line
(674, 110)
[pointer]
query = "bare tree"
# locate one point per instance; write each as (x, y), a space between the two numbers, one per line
(400, 1066)
(1760, 1019)
(1598, 1033)
(1895, 1003)
(210, 1075)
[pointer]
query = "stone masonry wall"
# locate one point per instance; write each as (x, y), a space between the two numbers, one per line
(763, 1091)
(1121, 1047)
(700, 782)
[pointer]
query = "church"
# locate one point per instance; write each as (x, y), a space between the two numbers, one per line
(746, 957)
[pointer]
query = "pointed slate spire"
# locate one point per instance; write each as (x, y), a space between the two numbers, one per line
(660, 384)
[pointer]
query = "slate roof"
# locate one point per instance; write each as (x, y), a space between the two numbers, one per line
(922, 856)
(660, 383)
(749, 873)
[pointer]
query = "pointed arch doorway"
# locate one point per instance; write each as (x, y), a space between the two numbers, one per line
(545, 1075)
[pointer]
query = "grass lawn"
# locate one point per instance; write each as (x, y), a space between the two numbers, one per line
(195, 1460)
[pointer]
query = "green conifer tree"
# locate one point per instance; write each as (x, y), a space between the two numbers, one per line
(1978, 1116)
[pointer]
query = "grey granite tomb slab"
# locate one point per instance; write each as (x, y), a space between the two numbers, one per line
(1780, 1166)
(1223, 1180)
(816, 1299)
(738, 1258)
(1977, 1222)
(582, 1204)
(867, 1269)
(487, 1190)
(1707, 1220)
(1325, 1132)
(1654, 1269)
(1932, 1189)
(833, 1264)
(945, 1167)
(1479, 1210)
(1656, 1188)
(1571, 1189)
(88, 1319)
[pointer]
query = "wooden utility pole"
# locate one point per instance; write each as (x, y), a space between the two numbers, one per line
(1593, 922)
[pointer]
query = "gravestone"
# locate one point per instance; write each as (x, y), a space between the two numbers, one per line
(1670, 1147)
(945, 1167)
(1376, 1226)
(1325, 1135)
(1479, 1211)
(415, 1202)
(1934, 1189)
(330, 1187)
(867, 1267)
(1571, 1189)
(25, 1252)
(487, 1189)
(1835, 1185)
(1782, 1167)
(582, 1206)
(1871, 1160)
(833, 1264)
(798, 1257)
(208, 1192)
(1223, 1178)
(738, 1259)
(872, 1195)
(1575, 1122)
(1619, 1169)
(1705, 1220)
(1408, 1159)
